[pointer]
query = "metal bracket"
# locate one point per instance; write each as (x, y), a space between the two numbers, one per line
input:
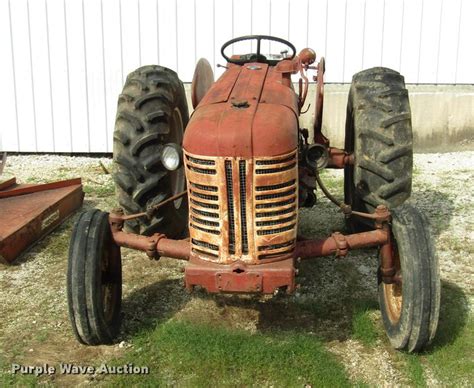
(152, 251)
(341, 244)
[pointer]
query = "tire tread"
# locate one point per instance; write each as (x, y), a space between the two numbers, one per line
(88, 239)
(149, 96)
(378, 131)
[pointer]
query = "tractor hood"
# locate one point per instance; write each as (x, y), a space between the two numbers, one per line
(248, 112)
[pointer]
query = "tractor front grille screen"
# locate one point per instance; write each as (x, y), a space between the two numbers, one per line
(243, 206)
(242, 209)
(230, 205)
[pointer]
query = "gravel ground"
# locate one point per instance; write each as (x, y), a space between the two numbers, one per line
(34, 326)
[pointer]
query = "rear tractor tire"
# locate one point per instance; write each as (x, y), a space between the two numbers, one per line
(379, 133)
(152, 112)
(410, 307)
(94, 280)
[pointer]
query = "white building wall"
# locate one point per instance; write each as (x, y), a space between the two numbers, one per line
(63, 62)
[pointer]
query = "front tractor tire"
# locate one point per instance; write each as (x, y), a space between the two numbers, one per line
(152, 112)
(379, 133)
(410, 306)
(94, 280)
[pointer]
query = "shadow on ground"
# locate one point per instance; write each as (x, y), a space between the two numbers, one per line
(331, 319)
(147, 307)
(453, 316)
(437, 206)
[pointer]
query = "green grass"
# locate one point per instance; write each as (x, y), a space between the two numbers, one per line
(452, 355)
(7, 379)
(416, 171)
(363, 326)
(100, 190)
(185, 354)
(414, 369)
(335, 184)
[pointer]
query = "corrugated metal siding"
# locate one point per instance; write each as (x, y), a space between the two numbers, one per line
(64, 61)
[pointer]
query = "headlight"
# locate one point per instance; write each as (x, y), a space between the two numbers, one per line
(171, 156)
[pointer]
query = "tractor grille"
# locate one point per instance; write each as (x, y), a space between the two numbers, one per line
(242, 209)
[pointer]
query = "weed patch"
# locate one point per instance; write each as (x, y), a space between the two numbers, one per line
(452, 354)
(363, 326)
(181, 353)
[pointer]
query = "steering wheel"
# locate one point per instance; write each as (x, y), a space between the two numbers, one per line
(257, 57)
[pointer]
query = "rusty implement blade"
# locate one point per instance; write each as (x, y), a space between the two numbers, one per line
(7, 184)
(26, 218)
(13, 191)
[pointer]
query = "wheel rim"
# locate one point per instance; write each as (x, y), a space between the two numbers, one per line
(108, 281)
(393, 293)
(177, 177)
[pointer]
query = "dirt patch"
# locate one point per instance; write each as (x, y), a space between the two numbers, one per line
(368, 365)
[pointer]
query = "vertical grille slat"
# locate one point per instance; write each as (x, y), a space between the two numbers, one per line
(243, 206)
(230, 205)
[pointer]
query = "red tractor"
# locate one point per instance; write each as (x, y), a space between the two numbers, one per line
(222, 189)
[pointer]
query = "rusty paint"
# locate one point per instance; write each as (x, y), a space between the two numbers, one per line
(331, 245)
(33, 188)
(288, 66)
(318, 111)
(151, 210)
(217, 223)
(155, 246)
(27, 215)
(203, 79)
(178, 249)
(261, 127)
(220, 90)
(240, 277)
(8, 183)
(307, 56)
(339, 158)
(275, 131)
(303, 88)
(277, 93)
(387, 262)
